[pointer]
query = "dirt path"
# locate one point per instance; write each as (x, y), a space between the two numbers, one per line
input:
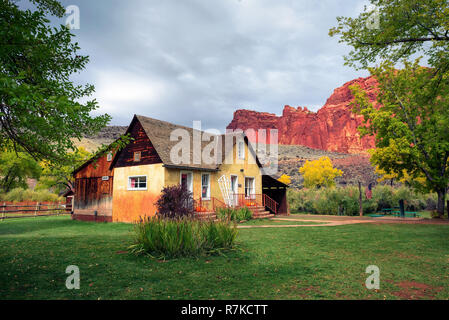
(332, 221)
(324, 223)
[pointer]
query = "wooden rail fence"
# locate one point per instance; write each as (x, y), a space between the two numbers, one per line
(9, 210)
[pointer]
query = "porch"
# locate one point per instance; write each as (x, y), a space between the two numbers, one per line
(261, 205)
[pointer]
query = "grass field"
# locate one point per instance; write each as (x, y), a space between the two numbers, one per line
(292, 263)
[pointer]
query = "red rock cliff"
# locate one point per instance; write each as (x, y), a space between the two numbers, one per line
(332, 128)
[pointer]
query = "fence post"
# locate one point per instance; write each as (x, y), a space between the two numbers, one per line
(3, 211)
(37, 209)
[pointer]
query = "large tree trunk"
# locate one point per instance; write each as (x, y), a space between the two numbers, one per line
(441, 202)
(360, 200)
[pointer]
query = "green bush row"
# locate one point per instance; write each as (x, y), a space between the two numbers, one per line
(345, 200)
(236, 215)
(170, 238)
(20, 195)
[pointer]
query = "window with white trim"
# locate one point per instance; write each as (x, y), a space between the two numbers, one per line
(137, 156)
(241, 150)
(205, 186)
(109, 157)
(137, 183)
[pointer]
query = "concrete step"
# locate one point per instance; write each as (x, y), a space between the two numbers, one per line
(262, 214)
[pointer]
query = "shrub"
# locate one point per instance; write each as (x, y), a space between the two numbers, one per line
(244, 214)
(20, 195)
(175, 202)
(332, 201)
(384, 196)
(236, 215)
(171, 238)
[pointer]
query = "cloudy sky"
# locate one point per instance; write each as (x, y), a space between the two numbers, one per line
(185, 60)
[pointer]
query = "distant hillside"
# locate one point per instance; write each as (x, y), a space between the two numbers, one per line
(291, 157)
(105, 136)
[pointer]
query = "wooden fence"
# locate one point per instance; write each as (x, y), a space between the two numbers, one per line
(10, 210)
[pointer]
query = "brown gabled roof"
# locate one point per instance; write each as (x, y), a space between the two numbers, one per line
(159, 133)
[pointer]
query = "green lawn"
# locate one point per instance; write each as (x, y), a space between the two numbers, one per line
(288, 263)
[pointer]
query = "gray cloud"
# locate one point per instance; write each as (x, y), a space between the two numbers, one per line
(185, 60)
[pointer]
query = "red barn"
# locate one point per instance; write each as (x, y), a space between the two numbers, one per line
(93, 190)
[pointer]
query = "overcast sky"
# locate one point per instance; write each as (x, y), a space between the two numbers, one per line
(185, 60)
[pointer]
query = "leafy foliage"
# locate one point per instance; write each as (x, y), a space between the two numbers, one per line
(169, 238)
(20, 195)
(410, 124)
(59, 177)
(344, 201)
(285, 179)
(236, 215)
(15, 169)
(405, 27)
(319, 173)
(175, 202)
(40, 108)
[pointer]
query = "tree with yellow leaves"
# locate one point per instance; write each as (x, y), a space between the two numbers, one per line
(405, 178)
(319, 173)
(285, 179)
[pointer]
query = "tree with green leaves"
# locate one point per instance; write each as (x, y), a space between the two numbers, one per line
(40, 108)
(411, 126)
(60, 177)
(411, 122)
(395, 30)
(16, 169)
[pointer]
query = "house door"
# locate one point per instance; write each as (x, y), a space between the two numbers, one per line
(187, 181)
(235, 190)
(250, 188)
(187, 184)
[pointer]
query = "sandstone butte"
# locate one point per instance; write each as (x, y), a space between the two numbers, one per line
(332, 128)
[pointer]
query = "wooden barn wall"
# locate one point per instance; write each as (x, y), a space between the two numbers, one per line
(141, 143)
(92, 193)
(96, 169)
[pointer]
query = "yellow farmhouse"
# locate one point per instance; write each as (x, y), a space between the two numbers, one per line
(219, 170)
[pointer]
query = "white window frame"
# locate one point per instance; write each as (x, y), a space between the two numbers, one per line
(208, 189)
(241, 152)
(137, 189)
(109, 157)
(253, 191)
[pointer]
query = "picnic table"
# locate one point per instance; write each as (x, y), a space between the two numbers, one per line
(388, 211)
(397, 213)
(408, 214)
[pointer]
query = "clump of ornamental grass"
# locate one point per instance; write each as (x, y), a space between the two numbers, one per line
(236, 215)
(163, 238)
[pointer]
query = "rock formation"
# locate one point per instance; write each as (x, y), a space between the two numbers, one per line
(332, 128)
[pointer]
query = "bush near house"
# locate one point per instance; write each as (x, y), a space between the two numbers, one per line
(184, 237)
(175, 202)
(236, 215)
(344, 200)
